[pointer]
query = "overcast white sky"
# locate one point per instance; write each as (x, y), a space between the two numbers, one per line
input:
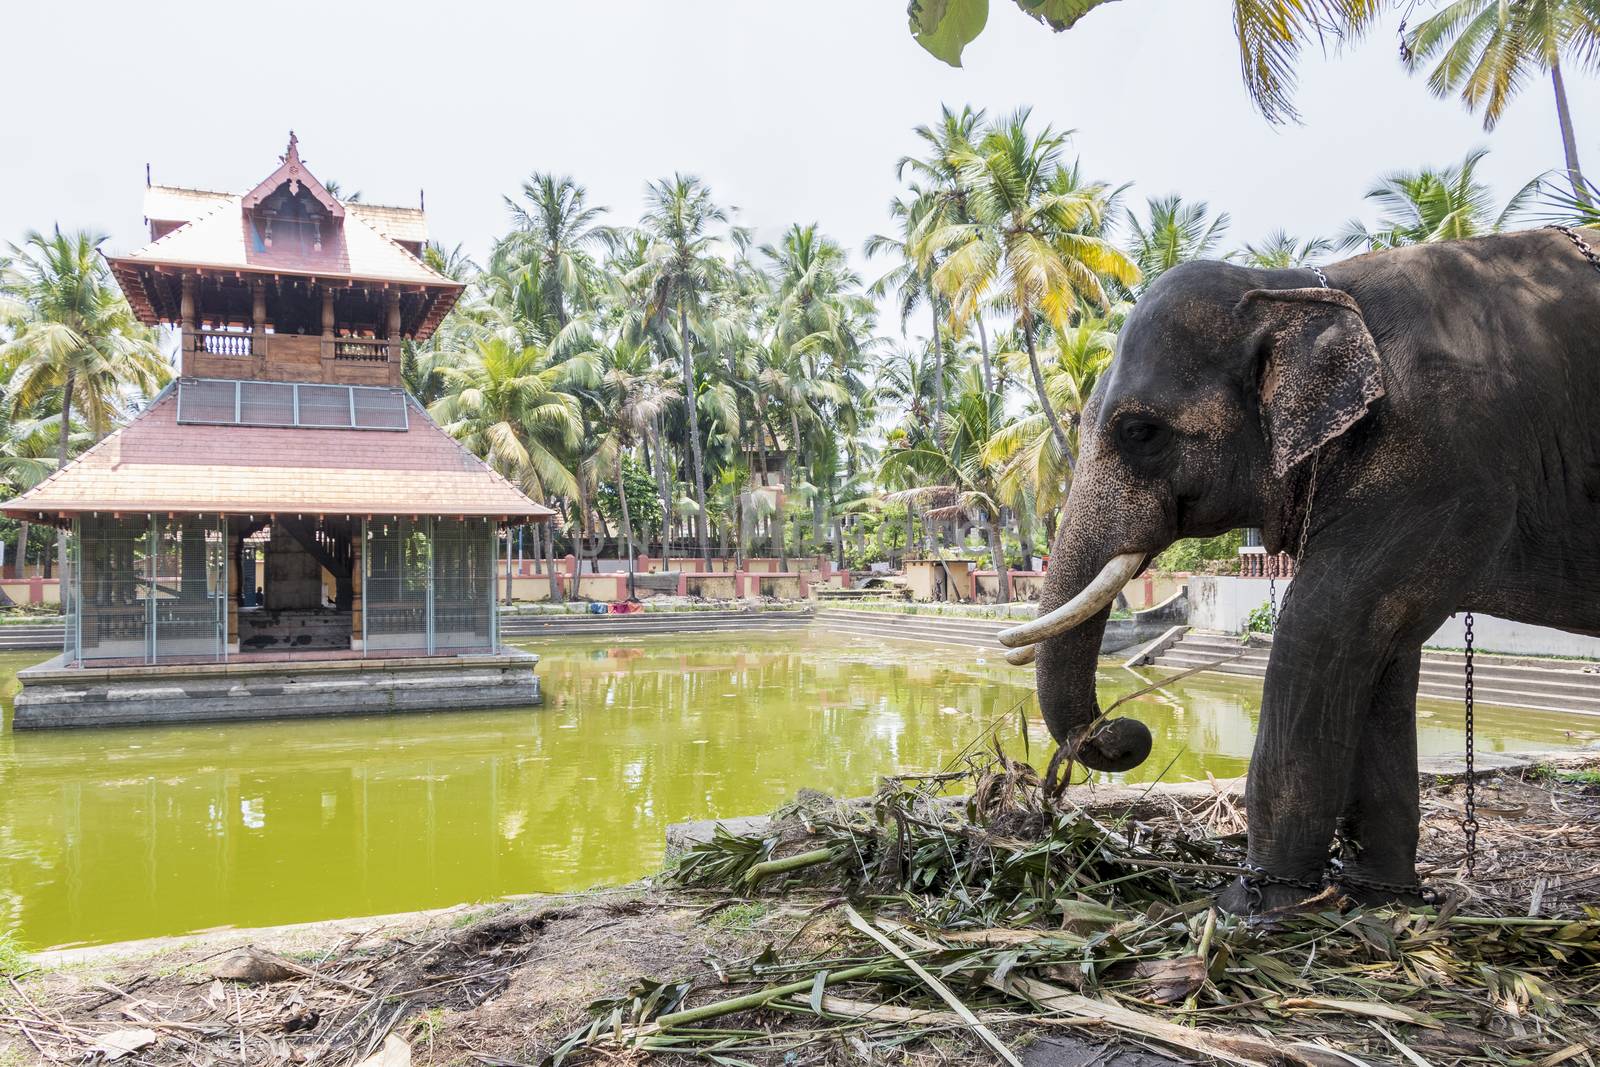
(792, 111)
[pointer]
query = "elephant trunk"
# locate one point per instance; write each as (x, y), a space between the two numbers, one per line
(1079, 591)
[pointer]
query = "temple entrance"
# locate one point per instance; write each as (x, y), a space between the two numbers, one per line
(297, 591)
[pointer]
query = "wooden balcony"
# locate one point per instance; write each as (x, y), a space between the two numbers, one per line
(290, 358)
(223, 342)
(361, 349)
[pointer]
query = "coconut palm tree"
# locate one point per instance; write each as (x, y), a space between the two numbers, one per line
(1485, 50)
(1033, 240)
(1280, 251)
(939, 198)
(1434, 205)
(78, 342)
(679, 268)
(555, 233)
(511, 405)
(1173, 232)
(1035, 471)
(948, 475)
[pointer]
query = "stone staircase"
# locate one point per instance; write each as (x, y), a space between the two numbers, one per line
(935, 629)
(19, 638)
(1505, 681)
(532, 627)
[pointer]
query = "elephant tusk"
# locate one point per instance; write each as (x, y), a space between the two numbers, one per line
(1021, 657)
(1095, 596)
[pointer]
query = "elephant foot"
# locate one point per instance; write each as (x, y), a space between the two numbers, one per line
(1263, 897)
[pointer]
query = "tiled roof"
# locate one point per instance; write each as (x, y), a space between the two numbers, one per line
(172, 203)
(396, 223)
(223, 237)
(157, 464)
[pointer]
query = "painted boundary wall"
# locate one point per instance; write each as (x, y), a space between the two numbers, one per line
(30, 590)
(760, 578)
(1221, 603)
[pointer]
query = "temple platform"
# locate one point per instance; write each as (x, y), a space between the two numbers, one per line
(254, 686)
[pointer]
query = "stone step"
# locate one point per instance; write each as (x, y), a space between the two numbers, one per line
(959, 635)
(655, 619)
(609, 627)
(1488, 690)
(1554, 682)
(975, 628)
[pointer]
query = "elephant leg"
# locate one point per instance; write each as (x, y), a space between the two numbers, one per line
(1344, 663)
(1378, 828)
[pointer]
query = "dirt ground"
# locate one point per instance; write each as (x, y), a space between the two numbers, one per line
(506, 984)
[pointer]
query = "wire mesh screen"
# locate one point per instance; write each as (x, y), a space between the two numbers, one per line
(114, 588)
(395, 584)
(266, 404)
(206, 401)
(190, 589)
(463, 584)
(325, 405)
(380, 409)
(69, 599)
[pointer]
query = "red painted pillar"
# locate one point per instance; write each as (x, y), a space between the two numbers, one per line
(683, 583)
(36, 590)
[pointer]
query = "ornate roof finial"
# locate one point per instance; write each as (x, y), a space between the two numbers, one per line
(294, 148)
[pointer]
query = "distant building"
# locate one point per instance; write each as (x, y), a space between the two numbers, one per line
(288, 431)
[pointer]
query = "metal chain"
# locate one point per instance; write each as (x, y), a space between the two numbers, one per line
(1470, 823)
(1582, 245)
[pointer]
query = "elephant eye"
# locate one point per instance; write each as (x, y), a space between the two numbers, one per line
(1140, 431)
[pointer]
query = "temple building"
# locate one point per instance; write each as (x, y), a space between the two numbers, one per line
(284, 500)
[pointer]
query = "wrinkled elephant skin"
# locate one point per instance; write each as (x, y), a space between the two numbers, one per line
(1447, 397)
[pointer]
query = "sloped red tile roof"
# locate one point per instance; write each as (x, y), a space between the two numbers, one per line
(156, 464)
(224, 238)
(174, 203)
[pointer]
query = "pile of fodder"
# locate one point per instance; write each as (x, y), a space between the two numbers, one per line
(1012, 910)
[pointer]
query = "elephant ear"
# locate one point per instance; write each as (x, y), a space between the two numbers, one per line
(1321, 372)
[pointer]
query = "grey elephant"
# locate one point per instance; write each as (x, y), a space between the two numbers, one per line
(1427, 420)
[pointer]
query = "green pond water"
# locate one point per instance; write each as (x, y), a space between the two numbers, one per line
(113, 834)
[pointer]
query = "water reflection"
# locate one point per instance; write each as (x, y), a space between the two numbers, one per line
(111, 834)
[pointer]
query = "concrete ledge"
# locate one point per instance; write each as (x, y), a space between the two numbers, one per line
(54, 697)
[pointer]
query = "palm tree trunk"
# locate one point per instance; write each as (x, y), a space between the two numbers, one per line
(1044, 399)
(627, 521)
(691, 400)
(983, 348)
(24, 527)
(557, 593)
(761, 435)
(1569, 139)
(581, 537)
(664, 483)
(998, 553)
(938, 366)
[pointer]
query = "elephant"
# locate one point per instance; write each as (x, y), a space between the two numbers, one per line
(1422, 426)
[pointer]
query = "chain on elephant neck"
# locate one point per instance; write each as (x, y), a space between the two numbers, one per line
(1583, 246)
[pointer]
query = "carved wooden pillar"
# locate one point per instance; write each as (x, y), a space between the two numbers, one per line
(392, 326)
(327, 322)
(258, 325)
(186, 321)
